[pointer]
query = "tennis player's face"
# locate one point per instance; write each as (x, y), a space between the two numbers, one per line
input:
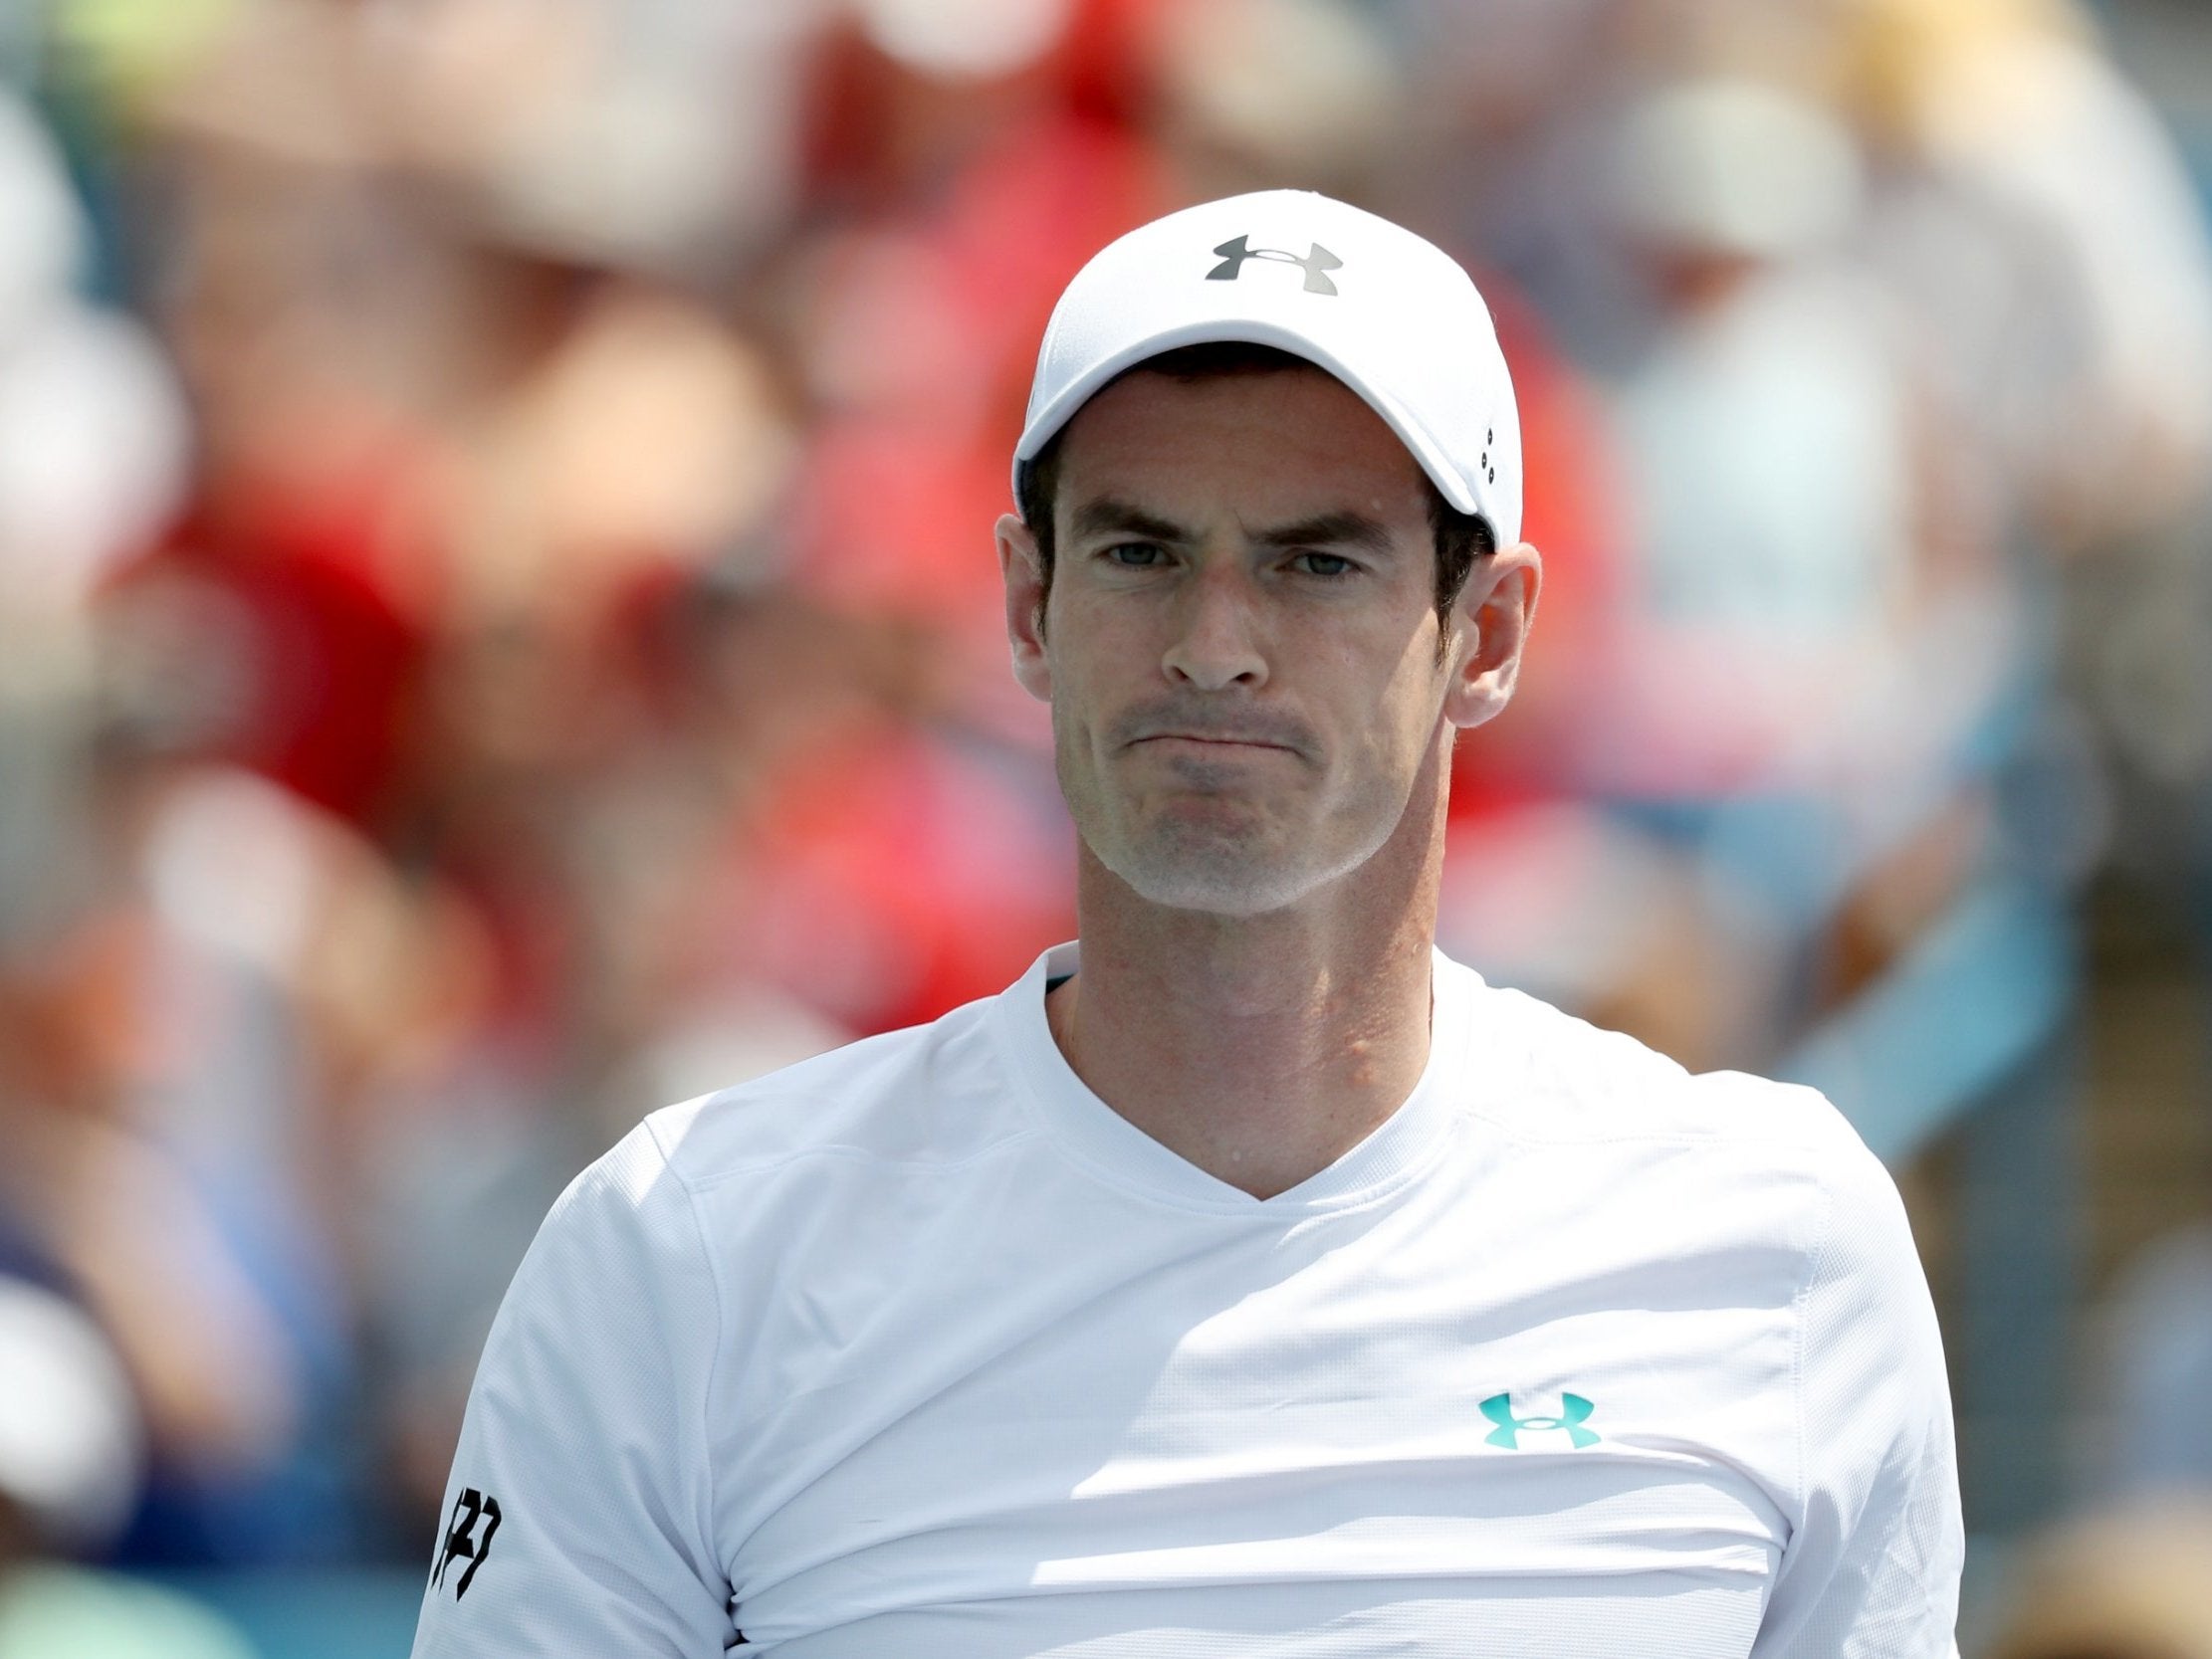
(1240, 641)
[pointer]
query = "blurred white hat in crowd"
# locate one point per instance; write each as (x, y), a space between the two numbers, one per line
(1388, 313)
(45, 240)
(70, 1436)
(966, 40)
(1736, 167)
(95, 444)
(93, 433)
(1303, 90)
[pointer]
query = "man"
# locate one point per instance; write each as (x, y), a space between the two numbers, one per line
(1252, 1281)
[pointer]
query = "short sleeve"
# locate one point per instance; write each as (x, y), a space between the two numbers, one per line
(578, 1518)
(1871, 1567)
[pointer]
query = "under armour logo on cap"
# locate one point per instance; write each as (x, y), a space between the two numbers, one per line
(1316, 263)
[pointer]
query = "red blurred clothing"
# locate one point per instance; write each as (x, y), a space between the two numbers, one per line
(895, 877)
(1574, 518)
(961, 233)
(277, 613)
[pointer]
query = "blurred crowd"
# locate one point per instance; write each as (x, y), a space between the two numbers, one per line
(498, 629)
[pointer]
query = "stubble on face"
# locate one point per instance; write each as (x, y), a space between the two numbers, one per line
(1190, 831)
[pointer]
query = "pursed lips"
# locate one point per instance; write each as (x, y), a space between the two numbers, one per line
(1211, 739)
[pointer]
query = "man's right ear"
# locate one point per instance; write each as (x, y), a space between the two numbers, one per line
(1024, 573)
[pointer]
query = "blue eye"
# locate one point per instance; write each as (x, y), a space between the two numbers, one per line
(1135, 555)
(1325, 565)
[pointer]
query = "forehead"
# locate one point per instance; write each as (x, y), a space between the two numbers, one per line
(1278, 442)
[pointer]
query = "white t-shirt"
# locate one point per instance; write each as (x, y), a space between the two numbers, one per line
(920, 1348)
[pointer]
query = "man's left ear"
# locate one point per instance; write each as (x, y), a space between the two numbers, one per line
(1494, 613)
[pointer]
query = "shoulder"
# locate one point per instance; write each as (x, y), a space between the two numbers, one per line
(1543, 1078)
(1548, 1073)
(909, 1096)
(929, 1094)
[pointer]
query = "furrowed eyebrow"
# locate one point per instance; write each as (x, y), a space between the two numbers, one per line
(1329, 529)
(1107, 516)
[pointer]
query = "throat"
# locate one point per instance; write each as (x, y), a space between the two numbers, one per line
(1261, 1091)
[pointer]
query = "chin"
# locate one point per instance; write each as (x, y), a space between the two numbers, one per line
(1218, 898)
(1217, 878)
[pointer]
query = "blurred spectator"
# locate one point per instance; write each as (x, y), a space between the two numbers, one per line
(156, 1166)
(91, 459)
(1773, 477)
(957, 193)
(1274, 93)
(68, 1446)
(2010, 102)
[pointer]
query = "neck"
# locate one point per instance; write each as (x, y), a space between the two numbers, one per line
(1260, 1048)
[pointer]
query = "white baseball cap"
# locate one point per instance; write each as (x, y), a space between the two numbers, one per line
(70, 1435)
(1390, 315)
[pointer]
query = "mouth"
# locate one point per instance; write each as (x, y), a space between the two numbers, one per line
(1209, 743)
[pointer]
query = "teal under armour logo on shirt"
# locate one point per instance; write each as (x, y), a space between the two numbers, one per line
(1574, 1412)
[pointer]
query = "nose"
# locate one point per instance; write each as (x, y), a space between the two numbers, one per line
(1215, 643)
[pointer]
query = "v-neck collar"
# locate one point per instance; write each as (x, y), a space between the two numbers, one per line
(1116, 1150)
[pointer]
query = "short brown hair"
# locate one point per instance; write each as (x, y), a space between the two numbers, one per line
(1462, 537)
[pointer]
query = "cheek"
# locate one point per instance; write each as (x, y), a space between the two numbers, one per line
(1093, 653)
(1407, 705)
(1083, 702)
